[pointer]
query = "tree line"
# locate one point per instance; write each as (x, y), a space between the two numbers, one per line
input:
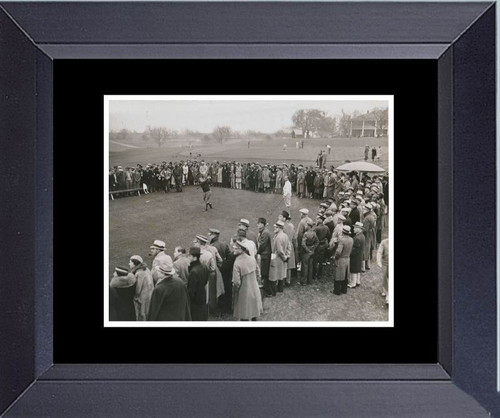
(308, 120)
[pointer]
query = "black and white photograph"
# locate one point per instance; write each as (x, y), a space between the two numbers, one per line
(248, 211)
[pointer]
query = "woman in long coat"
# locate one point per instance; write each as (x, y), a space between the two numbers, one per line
(123, 285)
(247, 301)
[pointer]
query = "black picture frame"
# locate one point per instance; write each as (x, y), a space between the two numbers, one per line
(459, 36)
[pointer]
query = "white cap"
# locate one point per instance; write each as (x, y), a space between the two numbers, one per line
(245, 222)
(158, 244)
(304, 211)
(137, 257)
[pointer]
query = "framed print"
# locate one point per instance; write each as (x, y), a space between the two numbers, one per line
(92, 90)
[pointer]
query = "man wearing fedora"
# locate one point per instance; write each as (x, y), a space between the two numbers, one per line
(170, 301)
(341, 257)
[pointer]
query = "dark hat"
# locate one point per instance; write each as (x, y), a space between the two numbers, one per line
(285, 214)
(262, 221)
(194, 251)
(121, 271)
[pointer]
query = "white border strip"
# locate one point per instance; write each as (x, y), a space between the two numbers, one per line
(250, 324)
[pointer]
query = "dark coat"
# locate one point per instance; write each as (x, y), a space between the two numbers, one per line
(323, 233)
(121, 304)
(197, 281)
(358, 248)
(354, 216)
(169, 301)
(264, 247)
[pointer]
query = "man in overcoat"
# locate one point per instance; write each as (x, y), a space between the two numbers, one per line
(356, 260)
(264, 248)
(197, 285)
(341, 257)
(170, 301)
(279, 258)
(224, 251)
(301, 228)
(323, 234)
(309, 243)
(370, 224)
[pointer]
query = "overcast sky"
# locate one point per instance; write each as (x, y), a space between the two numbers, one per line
(204, 115)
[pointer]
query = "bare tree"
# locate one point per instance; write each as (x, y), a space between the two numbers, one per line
(221, 133)
(158, 134)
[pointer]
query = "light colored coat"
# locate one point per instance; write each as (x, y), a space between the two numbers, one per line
(289, 230)
(370, 222)
(247, 301)
(143, 291)
(342, 258)
(280, 247)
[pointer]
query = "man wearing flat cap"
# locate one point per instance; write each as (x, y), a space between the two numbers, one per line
(252, 236)
(144, 287)
(342, 255)
(279, 258)
(157, 252)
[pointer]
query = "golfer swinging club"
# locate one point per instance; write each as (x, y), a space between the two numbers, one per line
(207, 193)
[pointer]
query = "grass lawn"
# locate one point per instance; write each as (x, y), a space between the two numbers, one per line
(270, 151)
(134, 222)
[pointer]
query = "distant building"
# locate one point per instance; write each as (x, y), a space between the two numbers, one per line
(297, 133)
(367, 126)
